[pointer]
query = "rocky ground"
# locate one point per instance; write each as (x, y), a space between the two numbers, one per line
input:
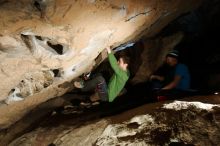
(189, 121)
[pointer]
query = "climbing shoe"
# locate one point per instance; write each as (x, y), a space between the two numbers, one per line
(79, 84)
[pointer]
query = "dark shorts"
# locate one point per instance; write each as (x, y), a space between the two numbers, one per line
(98, 84)
(102, 89)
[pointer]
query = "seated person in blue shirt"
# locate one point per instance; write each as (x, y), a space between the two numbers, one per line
(180, 74)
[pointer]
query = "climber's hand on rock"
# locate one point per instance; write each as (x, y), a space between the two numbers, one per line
(108, 50)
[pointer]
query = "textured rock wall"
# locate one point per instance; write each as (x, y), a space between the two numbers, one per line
(175, 123)
(44, 44)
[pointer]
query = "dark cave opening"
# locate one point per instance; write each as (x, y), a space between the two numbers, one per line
(57, 47)
(56, 72)
(39, 5)
(199, 48)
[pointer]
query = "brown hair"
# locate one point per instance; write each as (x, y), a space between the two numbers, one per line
(126, 59)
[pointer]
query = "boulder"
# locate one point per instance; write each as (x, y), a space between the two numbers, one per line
(45, 44)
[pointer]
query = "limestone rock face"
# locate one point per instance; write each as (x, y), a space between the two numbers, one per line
(44, 44)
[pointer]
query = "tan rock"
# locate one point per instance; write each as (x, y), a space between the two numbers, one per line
(38, 36)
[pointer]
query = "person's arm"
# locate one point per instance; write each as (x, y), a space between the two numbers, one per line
(157, 77)
(113, 61)
(108, 50)
(173, 84)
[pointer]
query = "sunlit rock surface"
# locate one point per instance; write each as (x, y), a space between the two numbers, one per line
(44, 44)
(194, 122)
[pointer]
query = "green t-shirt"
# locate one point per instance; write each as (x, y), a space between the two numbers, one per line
(118, 79)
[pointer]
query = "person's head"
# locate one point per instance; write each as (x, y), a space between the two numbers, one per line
(172, 58)
(123, 62)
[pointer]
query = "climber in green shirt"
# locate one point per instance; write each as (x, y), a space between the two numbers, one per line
(115, 85)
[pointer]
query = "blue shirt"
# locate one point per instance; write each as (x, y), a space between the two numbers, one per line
(183, 71)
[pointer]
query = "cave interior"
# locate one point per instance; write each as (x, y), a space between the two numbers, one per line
(199, 48)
